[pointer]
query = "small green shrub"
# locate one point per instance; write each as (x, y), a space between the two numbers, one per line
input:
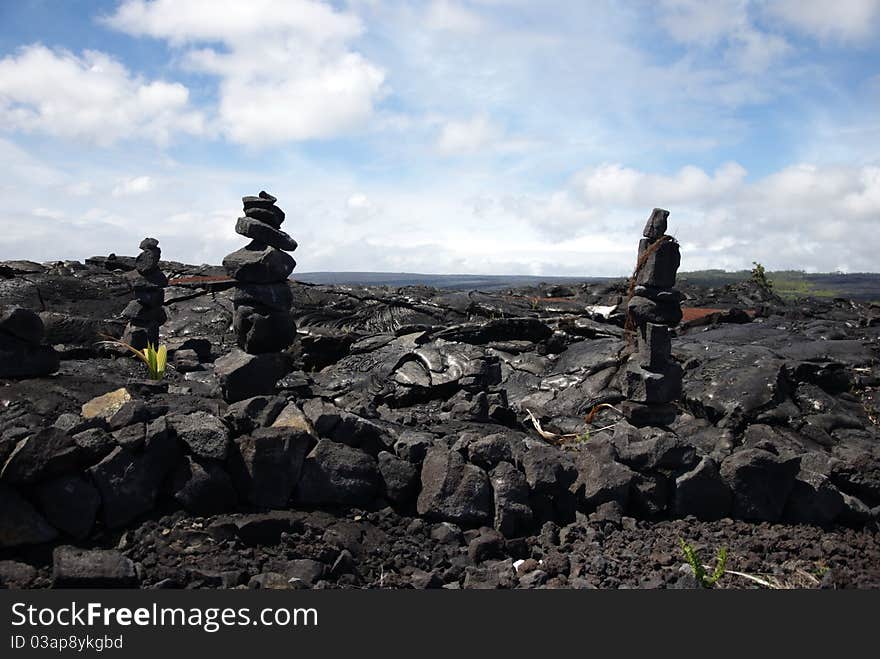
(704, 579)
(759, 276)
(154, 358)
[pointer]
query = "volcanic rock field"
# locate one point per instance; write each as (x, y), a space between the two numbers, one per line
(417, 437)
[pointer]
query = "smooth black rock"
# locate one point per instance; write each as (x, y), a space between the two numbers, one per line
(70, 503)
(92, 568)
(264, 233)
(258, 263)
(454, 491)
(149, 243)
(338, 474)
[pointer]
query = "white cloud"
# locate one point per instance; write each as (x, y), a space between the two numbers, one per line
(452, 17)
(727, 22)
(133, 186)
(286, 69)
(468, 136)
(360, 208)
(840, 20)
(616, 185)
(91, 97)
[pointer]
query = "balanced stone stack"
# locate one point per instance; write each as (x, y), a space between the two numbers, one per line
(262, 318)
(652, 380)
(146, 313)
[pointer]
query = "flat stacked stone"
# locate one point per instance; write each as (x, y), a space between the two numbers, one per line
(262, 318)
(652, 380)
(146, 313)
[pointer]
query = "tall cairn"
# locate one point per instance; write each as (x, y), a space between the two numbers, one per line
(262, 319)
(146, 313)
(652, 380)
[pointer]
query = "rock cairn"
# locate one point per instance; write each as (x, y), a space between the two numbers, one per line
(146, 313)
(652, 379)
(262, 318)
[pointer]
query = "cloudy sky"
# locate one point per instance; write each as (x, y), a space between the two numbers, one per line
(446, 136)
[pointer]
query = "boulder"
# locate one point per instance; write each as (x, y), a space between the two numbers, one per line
(269, 465)
(400, 477)
(20, 523)
(453, 490)
(258, 263)
(42, 455)
(702, 493)
(204, 434)
(70, 503)
(334, 473)
(202, 487)
(129, 482)
(760, 483)
(92, 568)
(513, 515)
(244, 376)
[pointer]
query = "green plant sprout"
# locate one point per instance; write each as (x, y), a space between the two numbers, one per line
(705, 580)
(154, 358)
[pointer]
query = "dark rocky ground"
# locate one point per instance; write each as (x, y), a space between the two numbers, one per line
(398, 451)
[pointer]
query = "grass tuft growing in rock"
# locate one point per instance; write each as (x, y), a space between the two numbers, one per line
(704, 578)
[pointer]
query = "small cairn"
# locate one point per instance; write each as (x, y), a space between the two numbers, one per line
(262, 318)
(652, 380)
(146, 313)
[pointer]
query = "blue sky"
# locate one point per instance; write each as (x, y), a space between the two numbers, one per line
(484, 136)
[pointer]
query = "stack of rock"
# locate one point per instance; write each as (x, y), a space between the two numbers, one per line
(21, 354)
(146, 313)
(652, 379)
(262, 318)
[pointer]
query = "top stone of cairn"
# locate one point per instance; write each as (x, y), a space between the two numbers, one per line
(656, 225)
